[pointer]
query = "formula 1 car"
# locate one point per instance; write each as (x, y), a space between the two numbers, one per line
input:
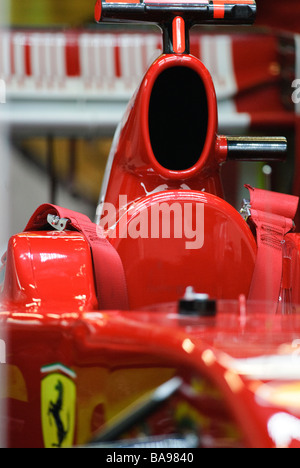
(173, 320)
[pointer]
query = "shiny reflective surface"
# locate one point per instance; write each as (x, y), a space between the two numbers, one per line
(229, 395)
(47, 269)
(212, 250)
(134, 164)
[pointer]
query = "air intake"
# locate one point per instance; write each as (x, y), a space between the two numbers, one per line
(178, 118)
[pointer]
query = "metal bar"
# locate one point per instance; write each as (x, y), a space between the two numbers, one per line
(256, 148)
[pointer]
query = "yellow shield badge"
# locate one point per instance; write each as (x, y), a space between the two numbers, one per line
(58, 403)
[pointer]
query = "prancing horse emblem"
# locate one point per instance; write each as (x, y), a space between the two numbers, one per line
(54, 412)
(58, 402)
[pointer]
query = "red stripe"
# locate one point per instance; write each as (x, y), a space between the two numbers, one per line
(27, 60)
(72, 60)
(98, 10)
(219, 6)
(219, 10)
(12, 57)
(117, 61)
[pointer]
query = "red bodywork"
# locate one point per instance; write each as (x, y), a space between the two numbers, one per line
(71, 367)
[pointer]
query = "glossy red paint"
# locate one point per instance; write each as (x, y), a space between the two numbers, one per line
(178, 28)
(161, 262)
(219, 10)
(240, 367)
(135, 170)
(98, 10)
(44, 269)
(246, 366)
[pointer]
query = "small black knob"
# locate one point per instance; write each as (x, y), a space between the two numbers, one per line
(199, 305)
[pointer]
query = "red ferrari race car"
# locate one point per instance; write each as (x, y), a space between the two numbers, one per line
(173, 320)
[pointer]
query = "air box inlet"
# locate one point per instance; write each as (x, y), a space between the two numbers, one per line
(178, 118)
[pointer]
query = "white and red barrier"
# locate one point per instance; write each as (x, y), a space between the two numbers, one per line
(85, 66)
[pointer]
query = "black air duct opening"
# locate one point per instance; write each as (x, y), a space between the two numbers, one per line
(178, 118)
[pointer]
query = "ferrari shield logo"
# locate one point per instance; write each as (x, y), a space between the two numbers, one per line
(58, 400)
